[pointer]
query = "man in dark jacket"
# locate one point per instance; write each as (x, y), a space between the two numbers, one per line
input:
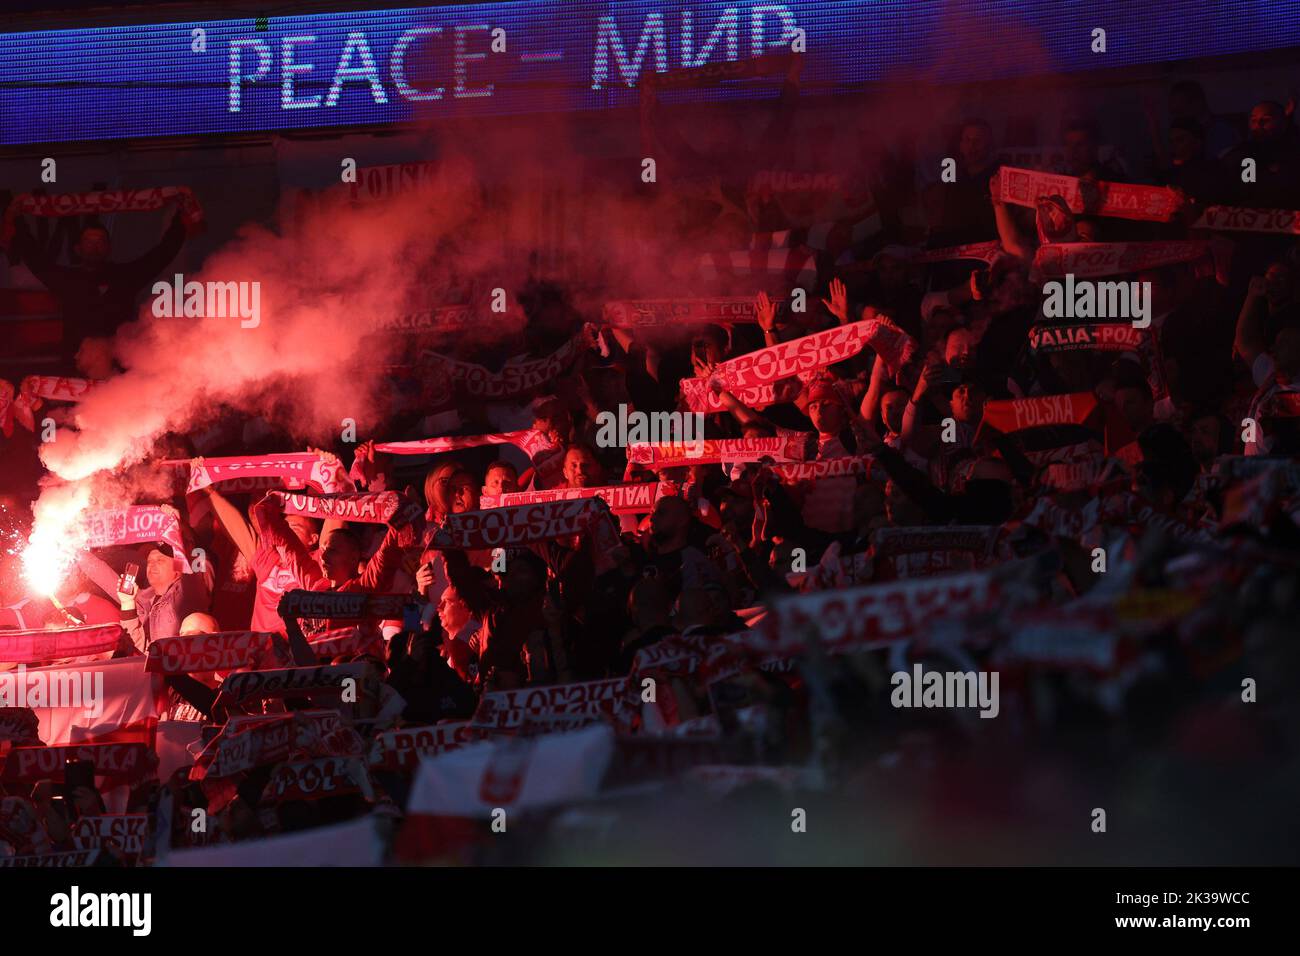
(97, 295)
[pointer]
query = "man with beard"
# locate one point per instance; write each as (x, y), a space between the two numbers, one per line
(1275, 148)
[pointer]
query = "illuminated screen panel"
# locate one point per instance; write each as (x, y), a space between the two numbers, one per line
(388, 66)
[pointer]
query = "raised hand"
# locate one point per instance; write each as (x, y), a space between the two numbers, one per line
(838, 304)
(766, 312)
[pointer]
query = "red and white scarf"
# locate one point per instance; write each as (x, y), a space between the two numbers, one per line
(101, 203)
(1016, 414)
(713, 451)
(1025, 187)
(809, 353)
(519, 524)
(294, 469)
(515, 378)
(873, 616)
(611, 699)
(665, 313)
(1089, 336)
(137, 524)
(622, 499)
(221, 651)
(1233, 219)
(1057, 259)
(54, 644)
(530, 441)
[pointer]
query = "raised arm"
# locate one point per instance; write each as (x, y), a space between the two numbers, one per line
(236, 526)
(1013, 241)
(1249, 339)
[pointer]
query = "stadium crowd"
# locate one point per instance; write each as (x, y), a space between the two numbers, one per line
(1100, 510)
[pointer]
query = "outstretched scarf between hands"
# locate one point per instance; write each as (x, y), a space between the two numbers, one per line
(662, 313)
(812, 353)
(29, 647)
(1025, 187)
(1054, 260)
(295, 469)
(713, 451)
(22, 403)
(988, 252)
(348, 605)
(529, 441)
(622, 499)
(828, 468)
(872, 616)
(137, 524)
(518, 524)
(699, 396)
(221, 651)
(375, 507)
(101, 203)
(515, 378)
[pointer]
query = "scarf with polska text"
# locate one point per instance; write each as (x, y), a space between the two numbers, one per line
(344, 642)
(295, 469)
(219, 651)
(611, 699)
(1057, 259)
(1025, 187)
(101, 203)
(373, 507)
(1016, 414)
(890, 542)
(137, 524)
(397, 750)
(871, 616)
(809, 353)
(246, 742)
(515, 525)
(120, 763)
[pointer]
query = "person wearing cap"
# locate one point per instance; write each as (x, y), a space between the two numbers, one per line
(146, 614)
(158, 610)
